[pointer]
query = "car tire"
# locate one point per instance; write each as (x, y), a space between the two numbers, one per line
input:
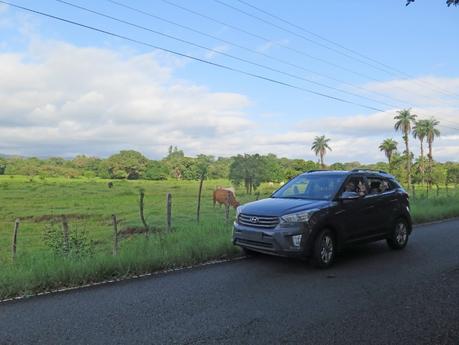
(399, 237)
(324, 250)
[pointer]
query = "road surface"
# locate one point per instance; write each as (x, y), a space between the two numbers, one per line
(371, 296)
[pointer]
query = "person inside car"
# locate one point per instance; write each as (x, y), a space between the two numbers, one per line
(350, 187)
(383, 186)
(361, 188)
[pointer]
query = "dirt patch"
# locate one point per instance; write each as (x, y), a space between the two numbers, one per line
(58, 217)
(133, 230)
(136, 230)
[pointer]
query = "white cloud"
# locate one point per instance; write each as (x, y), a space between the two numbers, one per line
(265, 47)
(211, 54)
(432, 91)
(85, 100)
(59, 99)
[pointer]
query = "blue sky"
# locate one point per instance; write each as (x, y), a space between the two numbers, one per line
(418, 40)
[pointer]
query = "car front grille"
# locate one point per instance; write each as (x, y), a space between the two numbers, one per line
(265, 222)
(254, 243)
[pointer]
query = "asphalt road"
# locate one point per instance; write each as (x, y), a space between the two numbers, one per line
(371, 296)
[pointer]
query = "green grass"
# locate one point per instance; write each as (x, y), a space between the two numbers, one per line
(89, 204)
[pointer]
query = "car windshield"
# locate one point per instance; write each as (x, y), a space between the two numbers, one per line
(316, 187)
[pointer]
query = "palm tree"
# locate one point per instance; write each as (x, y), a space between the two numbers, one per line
(388, 146)
(431, 133)
(420, 132)
(320, 147)
(404, 122)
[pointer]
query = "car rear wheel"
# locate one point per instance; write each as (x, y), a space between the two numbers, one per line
(324, 249)
(399, 237)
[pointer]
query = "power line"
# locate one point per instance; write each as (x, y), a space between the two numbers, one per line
(247, 49)
(267, 40)
(273, 58)
(224, 54)
(389, 69)
(298, 35)
(317, 35)
(225, 67)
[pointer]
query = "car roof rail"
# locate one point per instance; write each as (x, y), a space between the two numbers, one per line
(370, 170)
(314, 170)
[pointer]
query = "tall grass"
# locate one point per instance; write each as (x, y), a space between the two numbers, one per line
(38, 272)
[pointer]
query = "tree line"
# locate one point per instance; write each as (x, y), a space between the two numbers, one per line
(405, 166)
(250, 170)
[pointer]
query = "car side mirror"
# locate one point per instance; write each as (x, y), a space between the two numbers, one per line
(349, 196)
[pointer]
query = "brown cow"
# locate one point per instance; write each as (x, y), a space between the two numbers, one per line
(224, 196)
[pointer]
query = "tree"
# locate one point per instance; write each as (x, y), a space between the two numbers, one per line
(388, 146)
(2, 166)
(431, 133)
(219, 168)
(249, 169)
(320, 147)
(156, 171)
(448, 2)
(203, 163)
(404, 122)
(420, 132)
(337, 166)
(273, 169)
(128, 164)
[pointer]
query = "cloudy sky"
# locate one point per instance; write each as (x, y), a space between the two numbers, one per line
(67, 90)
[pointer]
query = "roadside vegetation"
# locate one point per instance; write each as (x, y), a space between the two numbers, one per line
(42, 264)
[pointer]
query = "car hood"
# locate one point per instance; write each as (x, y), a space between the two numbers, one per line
(281, 206)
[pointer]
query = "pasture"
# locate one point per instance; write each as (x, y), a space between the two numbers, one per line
(88, 205)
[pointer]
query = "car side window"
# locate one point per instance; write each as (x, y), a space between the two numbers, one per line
(378, 185)
(356, 184)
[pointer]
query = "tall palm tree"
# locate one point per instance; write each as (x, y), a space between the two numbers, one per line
(404, 121)
(431, 133)
(420, 132)
(388, 146)
(320, 147)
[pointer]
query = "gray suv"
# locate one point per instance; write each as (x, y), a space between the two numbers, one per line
(317, 213)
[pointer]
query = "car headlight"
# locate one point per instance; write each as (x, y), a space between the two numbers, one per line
(298, 217)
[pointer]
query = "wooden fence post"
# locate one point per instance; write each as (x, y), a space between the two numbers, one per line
(65, 233)
(227, 206)
(168, 212)
(198, 208)
(115, 235)
(15, 237)
(142, 216)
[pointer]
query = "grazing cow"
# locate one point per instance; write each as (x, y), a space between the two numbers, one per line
(231, 189)
(224, 196)
(110, 185)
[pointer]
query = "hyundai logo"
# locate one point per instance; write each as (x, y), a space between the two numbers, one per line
(254, 220)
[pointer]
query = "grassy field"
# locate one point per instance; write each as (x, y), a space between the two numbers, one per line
(89, 204)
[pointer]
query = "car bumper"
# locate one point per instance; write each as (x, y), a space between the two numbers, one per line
(276, 241)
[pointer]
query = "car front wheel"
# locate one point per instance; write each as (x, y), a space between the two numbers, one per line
(399, 237)
(324, 249)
